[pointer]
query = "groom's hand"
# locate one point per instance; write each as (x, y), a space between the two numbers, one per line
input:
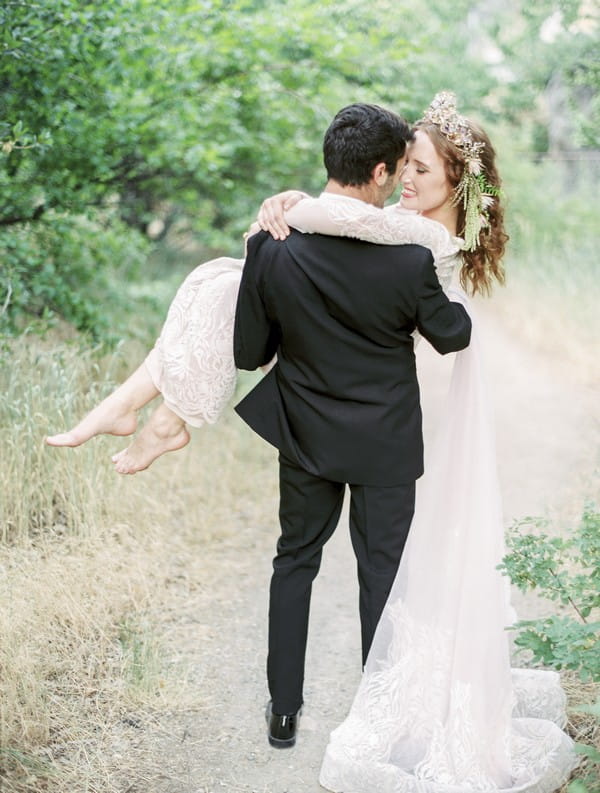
(271, 216)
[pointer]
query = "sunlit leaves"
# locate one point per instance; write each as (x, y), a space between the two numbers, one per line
(565, 570)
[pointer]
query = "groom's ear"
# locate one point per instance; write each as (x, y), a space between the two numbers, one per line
(380, 174)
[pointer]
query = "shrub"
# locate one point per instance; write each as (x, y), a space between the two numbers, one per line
(567, 571)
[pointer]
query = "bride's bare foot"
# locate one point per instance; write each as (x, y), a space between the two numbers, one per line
(115, 415)
(164, 432)
(110, 417)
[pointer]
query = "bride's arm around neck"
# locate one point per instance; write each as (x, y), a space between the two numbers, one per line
(339, 215)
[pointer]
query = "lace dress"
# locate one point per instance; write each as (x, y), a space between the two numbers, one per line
(438, 709)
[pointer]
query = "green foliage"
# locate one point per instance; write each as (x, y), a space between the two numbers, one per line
(70, 267)
(577, 786)
(552, 68)
(174, 108)
(566, 571)
(191, 111)
(562, 643)
(218, 101)
(536, 223)
(554, 237)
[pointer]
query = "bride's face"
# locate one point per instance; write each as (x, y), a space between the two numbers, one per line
(425, 186)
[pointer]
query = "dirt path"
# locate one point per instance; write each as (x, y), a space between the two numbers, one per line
(215, 621)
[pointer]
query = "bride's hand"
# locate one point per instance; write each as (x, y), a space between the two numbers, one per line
(271, 214)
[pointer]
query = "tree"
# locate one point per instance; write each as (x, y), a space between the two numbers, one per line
(548, 52)
(119, 112)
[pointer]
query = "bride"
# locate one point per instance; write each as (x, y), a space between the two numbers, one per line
(438, 709)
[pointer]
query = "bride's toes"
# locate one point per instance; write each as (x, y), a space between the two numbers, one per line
(123, 464)
(63, 439)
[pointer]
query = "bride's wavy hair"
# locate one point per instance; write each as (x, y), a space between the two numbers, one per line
(484, 264)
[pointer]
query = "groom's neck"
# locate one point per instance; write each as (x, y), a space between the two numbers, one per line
(369, 193)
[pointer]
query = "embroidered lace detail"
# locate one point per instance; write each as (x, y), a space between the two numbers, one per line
(541, 771)
(413, 729)
(538, 695)
(192, 361)
(410, 714)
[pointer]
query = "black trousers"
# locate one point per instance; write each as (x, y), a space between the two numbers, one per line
(309, 511)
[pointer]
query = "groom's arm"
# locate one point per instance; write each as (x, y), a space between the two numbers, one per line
(446, 325)
(256, 336)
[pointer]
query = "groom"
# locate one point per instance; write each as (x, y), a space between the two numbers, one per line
(342, 403)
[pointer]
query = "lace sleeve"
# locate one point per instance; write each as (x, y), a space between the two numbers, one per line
(348, 217)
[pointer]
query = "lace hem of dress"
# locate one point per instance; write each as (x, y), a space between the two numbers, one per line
(414, 728)
(541, 771)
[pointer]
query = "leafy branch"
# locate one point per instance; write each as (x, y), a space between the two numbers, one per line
(566, 570)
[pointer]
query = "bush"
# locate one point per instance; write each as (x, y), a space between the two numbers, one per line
(76, 268)
(566, 571)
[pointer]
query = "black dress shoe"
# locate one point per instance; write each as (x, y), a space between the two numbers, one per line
(282, 728)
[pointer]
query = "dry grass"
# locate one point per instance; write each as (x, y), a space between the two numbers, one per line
(85, 557)
(582, 727)
(66, 664)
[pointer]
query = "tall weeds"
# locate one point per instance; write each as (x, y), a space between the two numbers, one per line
(85, 555)
(42, 491)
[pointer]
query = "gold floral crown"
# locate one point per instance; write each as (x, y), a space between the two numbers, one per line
(476, 194)
(442, 112)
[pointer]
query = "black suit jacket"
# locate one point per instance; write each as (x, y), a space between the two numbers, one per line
(343, 399)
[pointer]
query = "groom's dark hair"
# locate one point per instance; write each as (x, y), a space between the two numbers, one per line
(359, 137)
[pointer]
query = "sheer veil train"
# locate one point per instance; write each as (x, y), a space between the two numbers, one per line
(438, 709)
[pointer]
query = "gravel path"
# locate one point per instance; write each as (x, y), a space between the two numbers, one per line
(214, 624)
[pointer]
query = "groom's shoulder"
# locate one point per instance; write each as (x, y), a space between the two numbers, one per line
(298, 245)
(261, 246)
(261, 252)
(410, 258)
(417, 255)
(304, 248)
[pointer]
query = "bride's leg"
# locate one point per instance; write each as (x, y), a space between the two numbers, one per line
(115, 415)
(164, 432)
